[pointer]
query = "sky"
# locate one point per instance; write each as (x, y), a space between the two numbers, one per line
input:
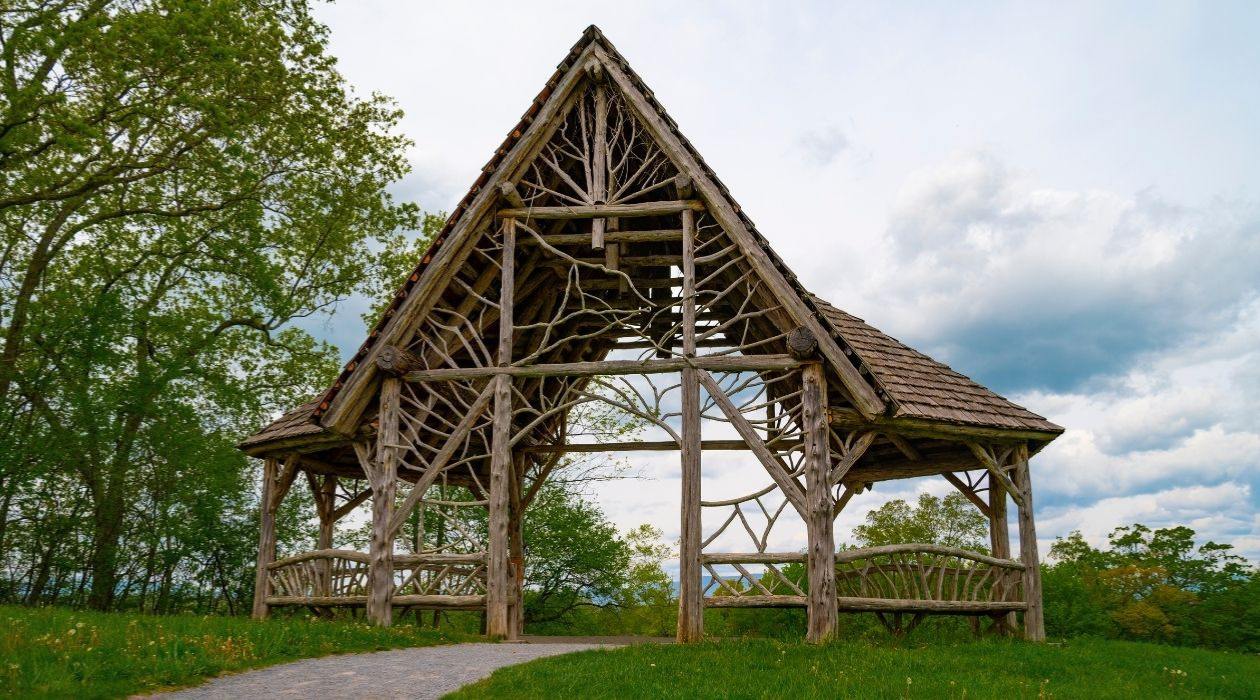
(1059, 200)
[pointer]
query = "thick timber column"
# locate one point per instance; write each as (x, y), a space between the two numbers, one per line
(690, 593)
(498, 580)
(384, 479)
(266, 539)
(326, 504)
(1034, 621)
(999, 533)
(819, 513)
(516, 547)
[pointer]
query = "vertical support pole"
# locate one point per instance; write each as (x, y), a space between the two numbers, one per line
(327, 503)
(599, 164)
(497, 577)
(1000, 534)
(516, 548)
(690, 593)
(266, 539)
(383, 479)
(1034, 621)
(822, 607)
(418, 543)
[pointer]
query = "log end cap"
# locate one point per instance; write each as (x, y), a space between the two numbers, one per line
(801, 344)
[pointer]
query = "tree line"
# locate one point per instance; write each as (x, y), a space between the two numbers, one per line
(184, 181)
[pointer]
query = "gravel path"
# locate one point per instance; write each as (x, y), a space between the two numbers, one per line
(426, 672)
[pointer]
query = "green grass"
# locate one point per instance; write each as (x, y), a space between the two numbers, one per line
(983, 669)
(60, 653)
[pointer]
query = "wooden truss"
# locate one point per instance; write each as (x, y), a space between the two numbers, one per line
(601, 263)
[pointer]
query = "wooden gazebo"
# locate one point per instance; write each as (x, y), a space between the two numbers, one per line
(598, 259)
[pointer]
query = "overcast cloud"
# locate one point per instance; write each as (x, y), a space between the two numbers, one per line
(1059, 201)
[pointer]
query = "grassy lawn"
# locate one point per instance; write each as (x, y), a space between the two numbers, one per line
(58, 653)
(983, 669)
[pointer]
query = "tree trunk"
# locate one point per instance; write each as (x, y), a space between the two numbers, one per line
(103, 563)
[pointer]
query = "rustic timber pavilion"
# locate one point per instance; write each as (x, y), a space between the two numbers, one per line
(598, 259)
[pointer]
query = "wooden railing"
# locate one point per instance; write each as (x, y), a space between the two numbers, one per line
(916, 578)
(927, 578)
(329, 577)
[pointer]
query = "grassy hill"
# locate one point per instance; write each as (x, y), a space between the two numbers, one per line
(60, 653)
(1090, 669)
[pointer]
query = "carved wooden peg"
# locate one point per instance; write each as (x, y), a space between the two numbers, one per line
(595, 70)
(801, 344)
(396, 361)
(683, 184)
(508, 191)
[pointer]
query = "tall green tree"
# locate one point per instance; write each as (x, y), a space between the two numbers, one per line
(183, 179)
(1155, 585)
(951, 521)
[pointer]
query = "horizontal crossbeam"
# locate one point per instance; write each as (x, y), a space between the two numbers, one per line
(724, 363)
(601, 211)
(649, 446)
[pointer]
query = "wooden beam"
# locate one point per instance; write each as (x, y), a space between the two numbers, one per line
(778, 471)
(284, 481)
(453, 443)
(382, 471)
(508, 191)
(971, 495)
(599, 166)
(445, 602)
(344, 509)
(403, 560)
(655, 236)
(819, 520)
(940, 607)
(716, 363)
(683, 185)
(904, 445)
(756, 601)
(346, 410)
(855, 452)
(918, 427)
(690, 590)
(1000, 540)
(995, 471)
(498, 581)
(648, 446)
(1034, 620)
(850, 491)
(598, 211)
(266, 539)
(394, 361)
(754, 558)
(855, 386)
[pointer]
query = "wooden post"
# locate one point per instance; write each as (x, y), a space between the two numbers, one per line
(690, 592)
(1000, 535)
(516, 547)
(266, 539)
(327, 499)
(325, 505)
(383, 478)
(599, 168)
(822, 609)
(497, 577)
(1034, 621)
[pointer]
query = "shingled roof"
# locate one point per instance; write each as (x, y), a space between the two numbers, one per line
(913, 384)
(922, 387)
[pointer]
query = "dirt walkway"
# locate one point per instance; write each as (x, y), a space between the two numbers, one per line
(427, 672)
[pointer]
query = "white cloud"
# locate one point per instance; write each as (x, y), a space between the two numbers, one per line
(1060, 212)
